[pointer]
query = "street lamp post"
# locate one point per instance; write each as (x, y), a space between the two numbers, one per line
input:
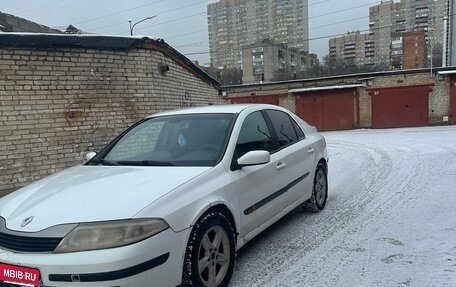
(142, 20)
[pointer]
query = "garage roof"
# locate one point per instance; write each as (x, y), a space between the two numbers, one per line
(102, 42)
(314, 89)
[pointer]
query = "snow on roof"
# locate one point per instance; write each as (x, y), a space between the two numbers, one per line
(337, 87)
(447, 72)
(138, 37)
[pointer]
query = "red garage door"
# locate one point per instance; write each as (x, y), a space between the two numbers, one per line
(269, 99)
(453, 100)
(327, 110)
(400, 107)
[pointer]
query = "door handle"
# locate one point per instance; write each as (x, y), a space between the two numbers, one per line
(281, 166)
(310, 151)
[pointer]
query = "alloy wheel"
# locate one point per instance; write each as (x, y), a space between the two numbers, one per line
(320, 187)
(213, 256)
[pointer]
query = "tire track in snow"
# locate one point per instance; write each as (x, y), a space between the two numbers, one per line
(390, 194)
(275, 250)
(404, 183)
(301, 244)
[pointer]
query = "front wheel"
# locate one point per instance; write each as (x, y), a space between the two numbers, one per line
(209, 258)
(317, 201)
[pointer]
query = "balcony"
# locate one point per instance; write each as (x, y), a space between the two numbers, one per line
(258, 50)
(258, 71)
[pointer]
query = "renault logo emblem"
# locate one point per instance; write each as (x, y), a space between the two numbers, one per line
(27, 221)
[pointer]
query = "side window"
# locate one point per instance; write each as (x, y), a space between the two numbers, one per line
(298, 130)
(254, 135)
(283, 126)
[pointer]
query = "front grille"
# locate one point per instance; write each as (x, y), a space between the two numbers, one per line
(28, 244)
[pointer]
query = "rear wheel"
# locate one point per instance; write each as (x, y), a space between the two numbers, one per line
(209, 257)
(317, 201)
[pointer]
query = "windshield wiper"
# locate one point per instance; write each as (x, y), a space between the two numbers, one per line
(104, 162)
(145, 163)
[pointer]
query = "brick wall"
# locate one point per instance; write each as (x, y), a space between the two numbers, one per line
(439, 98)
(57, 104)
(365, 109)
(439, 101)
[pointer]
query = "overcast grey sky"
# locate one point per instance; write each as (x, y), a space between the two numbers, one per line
(181, 23)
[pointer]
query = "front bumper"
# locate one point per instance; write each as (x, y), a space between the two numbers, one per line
(156, 261)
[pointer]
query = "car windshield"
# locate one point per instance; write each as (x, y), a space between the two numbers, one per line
(178, 140)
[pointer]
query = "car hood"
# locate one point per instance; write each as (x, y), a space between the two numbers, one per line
(91, 193)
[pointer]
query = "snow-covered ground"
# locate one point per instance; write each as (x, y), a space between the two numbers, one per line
(390, 219)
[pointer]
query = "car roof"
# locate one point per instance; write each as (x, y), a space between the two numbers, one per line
(215, 109)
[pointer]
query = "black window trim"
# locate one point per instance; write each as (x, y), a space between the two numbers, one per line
(274, 136)
(234, 164)
(299, 127)
(273, 131)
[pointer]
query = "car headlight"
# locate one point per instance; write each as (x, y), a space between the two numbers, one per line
(103, 235)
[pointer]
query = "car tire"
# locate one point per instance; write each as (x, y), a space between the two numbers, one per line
(209, 257)
(319, 196)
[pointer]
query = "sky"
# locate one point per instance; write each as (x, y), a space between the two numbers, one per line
(181, 23)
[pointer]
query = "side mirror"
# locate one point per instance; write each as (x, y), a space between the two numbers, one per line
(89, 155)
(255, 157)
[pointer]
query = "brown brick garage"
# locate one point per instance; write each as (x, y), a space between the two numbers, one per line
(400, 106)
(328, 108)
(61, 96)
(269, 99)
(439, 104)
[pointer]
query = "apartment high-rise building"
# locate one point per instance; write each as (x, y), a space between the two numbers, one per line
(267, 61)
(234, 24)
(390, 25)
(354, 47)
(452, 34)
(385, 18)
(390, 18)
(408, 50)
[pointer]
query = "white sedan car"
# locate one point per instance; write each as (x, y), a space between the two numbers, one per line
(167, 203)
